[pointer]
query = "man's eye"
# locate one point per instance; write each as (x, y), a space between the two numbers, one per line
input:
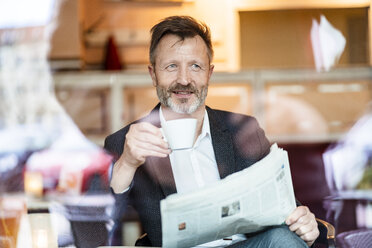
(171, 67)
(196, 67)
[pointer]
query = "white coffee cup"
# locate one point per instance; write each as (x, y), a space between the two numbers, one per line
(180, 133)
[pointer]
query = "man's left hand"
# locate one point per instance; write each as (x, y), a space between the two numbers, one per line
(303, 223)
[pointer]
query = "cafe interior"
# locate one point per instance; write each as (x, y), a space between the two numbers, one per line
(74, 71)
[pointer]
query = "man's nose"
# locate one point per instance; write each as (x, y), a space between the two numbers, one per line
(183, 76)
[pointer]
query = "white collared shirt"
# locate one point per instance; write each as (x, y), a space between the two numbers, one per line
(196, 167)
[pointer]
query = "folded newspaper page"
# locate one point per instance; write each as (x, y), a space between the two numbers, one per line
(247, 201)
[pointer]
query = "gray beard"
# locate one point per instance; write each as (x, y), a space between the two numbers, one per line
(183, 107)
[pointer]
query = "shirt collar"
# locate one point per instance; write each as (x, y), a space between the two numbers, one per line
(206, 130)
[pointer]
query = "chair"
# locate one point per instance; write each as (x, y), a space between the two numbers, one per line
(88, 216)
(88, 234)
(360, 238)
(326, 237)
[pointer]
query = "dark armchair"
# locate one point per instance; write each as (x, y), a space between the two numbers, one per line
(327, 235)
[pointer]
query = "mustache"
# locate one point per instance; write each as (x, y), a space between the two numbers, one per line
(180, 87)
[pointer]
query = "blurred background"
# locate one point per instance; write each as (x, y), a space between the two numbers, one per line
(302, 68)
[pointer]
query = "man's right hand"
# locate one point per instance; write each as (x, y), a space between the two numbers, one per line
(142, 140)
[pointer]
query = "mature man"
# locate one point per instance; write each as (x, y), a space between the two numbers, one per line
(147, 171)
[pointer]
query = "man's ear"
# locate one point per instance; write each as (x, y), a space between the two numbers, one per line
(151, 69)
(211, 68)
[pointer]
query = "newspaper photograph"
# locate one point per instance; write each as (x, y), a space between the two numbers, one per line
(247, 201)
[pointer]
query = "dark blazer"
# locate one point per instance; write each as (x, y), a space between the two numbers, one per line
(238, 142)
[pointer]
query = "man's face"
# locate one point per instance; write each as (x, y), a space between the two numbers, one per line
(181, 73)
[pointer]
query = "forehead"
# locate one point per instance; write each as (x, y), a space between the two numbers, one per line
(172, 45)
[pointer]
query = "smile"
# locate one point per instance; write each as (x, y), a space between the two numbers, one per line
(179, 92)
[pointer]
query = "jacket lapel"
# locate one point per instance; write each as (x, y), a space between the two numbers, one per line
(222, 144)
(160, 168)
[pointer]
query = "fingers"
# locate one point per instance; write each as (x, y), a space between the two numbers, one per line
(147, 133)
(140, 150)
(297, 214)
(300, 217)
(310, 237)
(146, 136)
(153, 137)
(304, 224)
(305, 228)
(143, 140)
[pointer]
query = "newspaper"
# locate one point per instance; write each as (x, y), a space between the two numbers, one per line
(247, 201)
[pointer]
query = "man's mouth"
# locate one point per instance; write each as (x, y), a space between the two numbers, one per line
(182, 92)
